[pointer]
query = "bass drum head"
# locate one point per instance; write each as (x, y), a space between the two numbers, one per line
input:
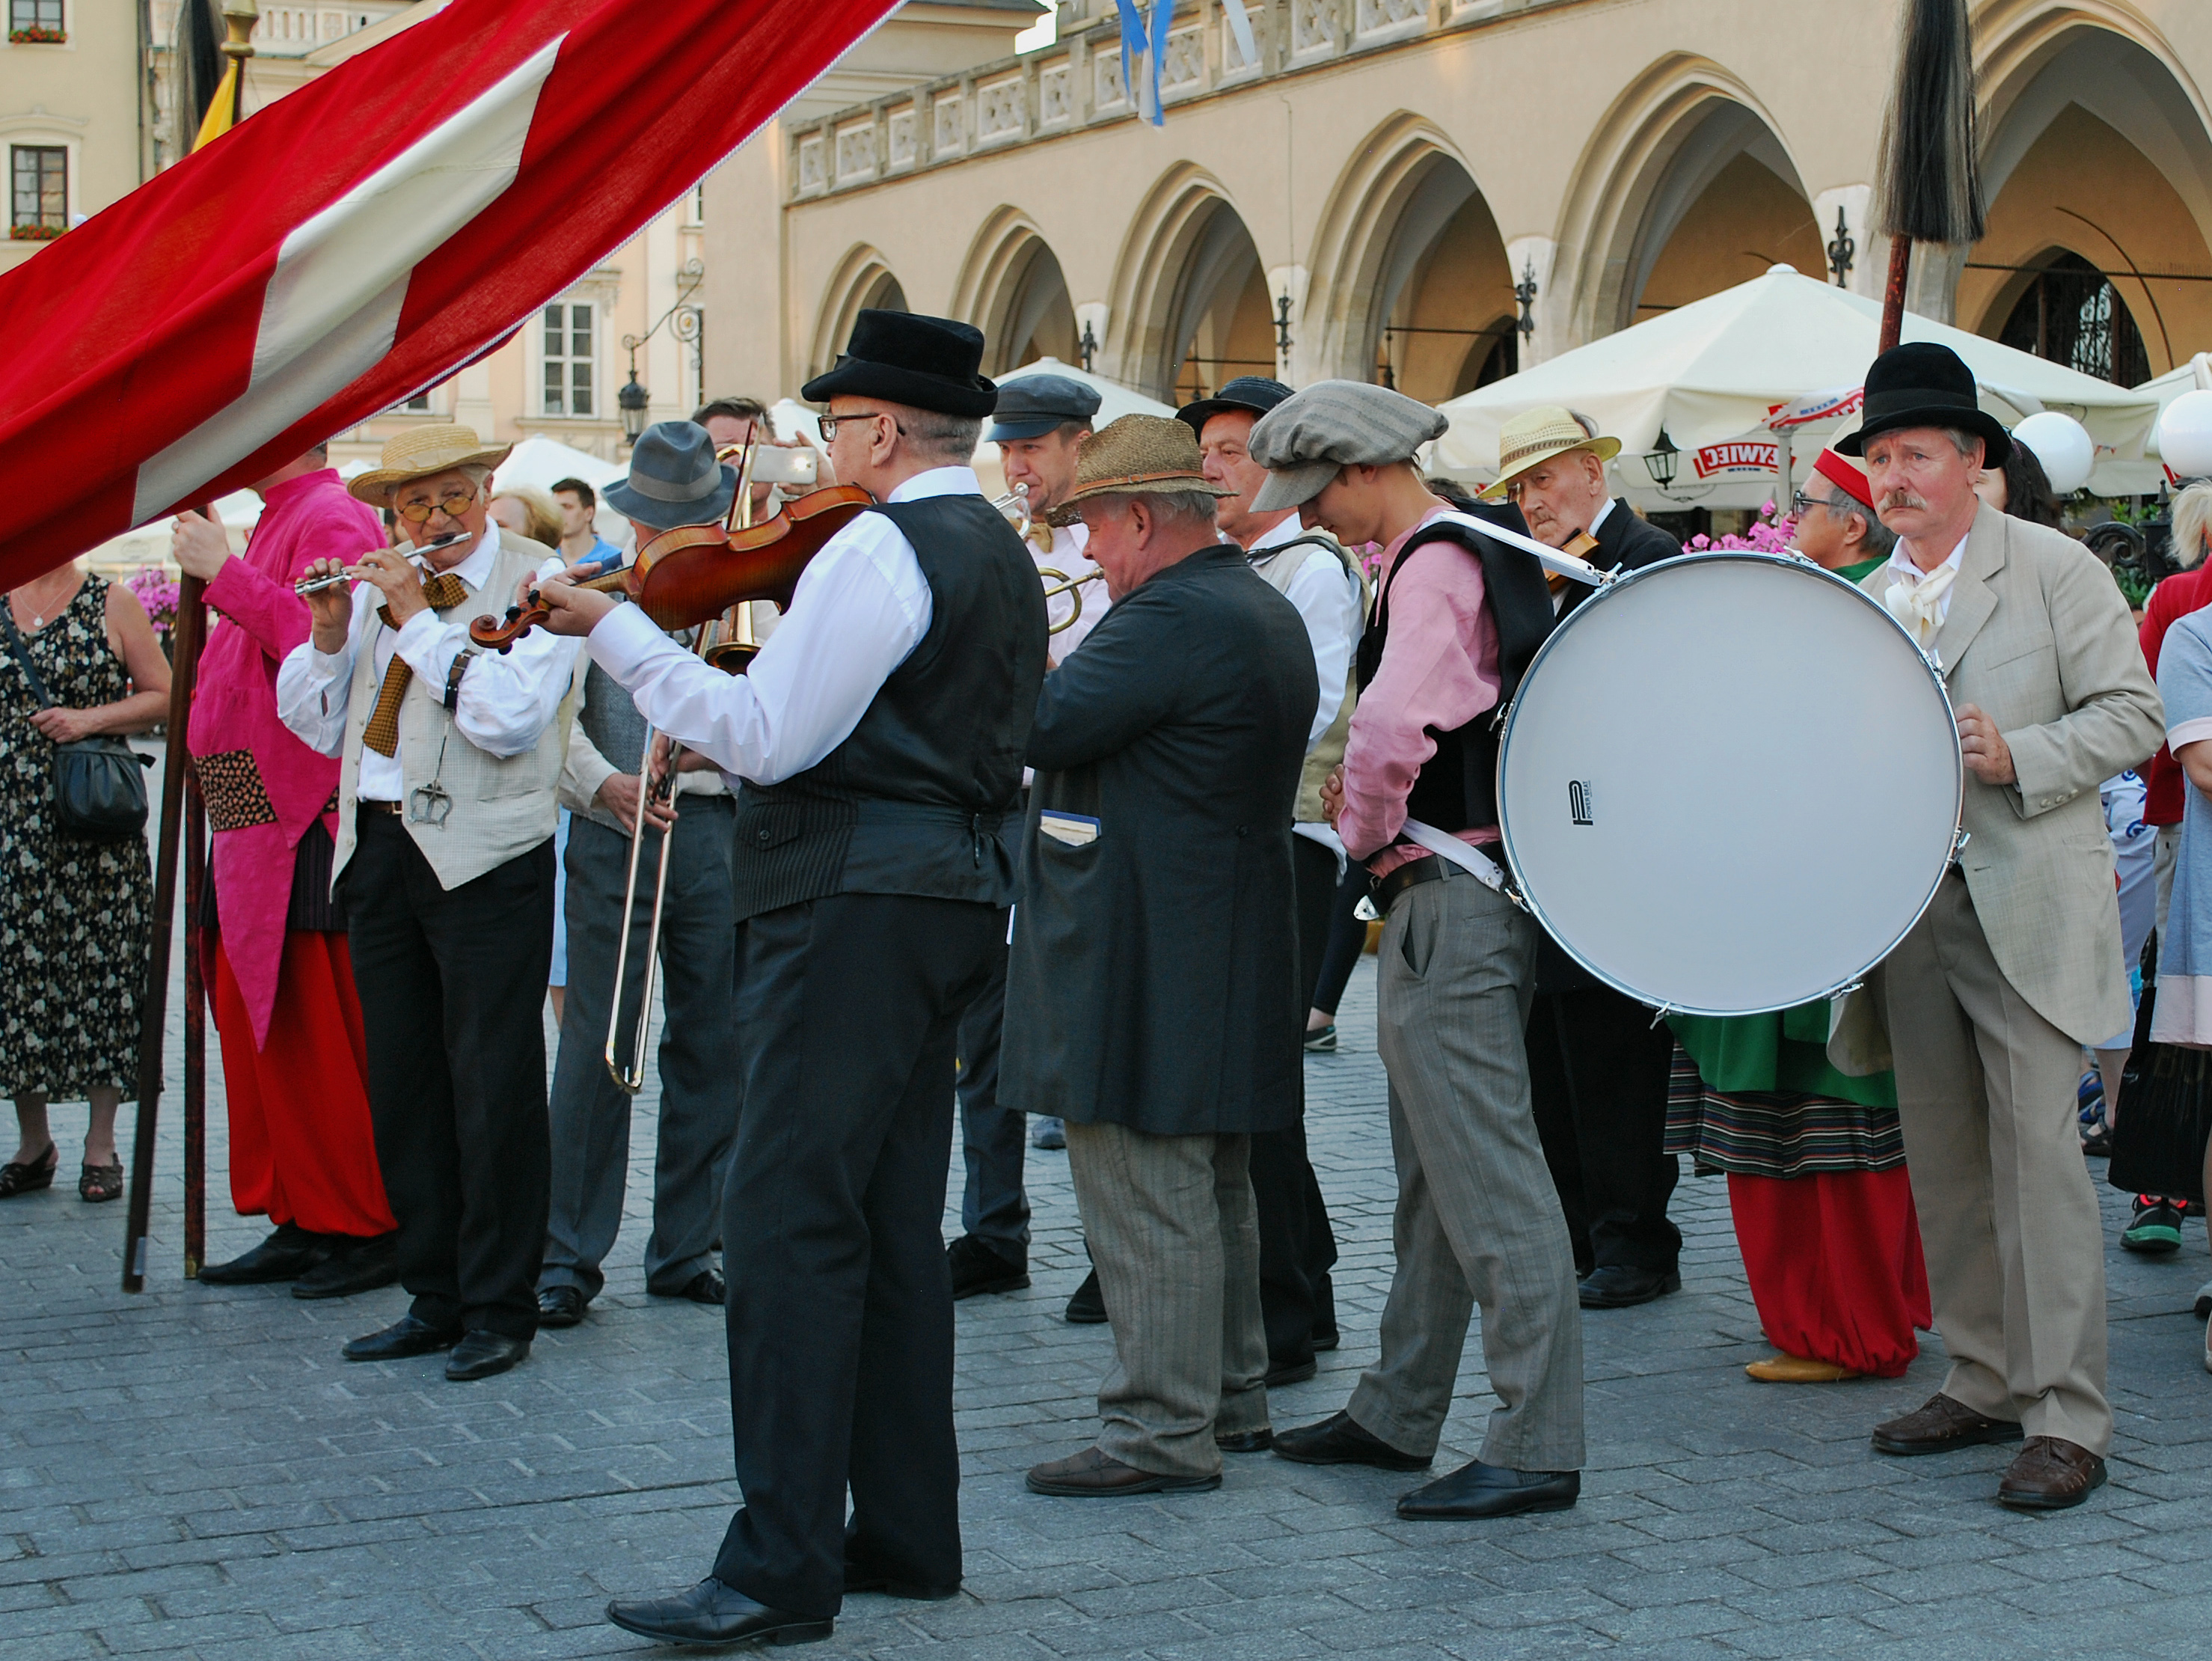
(1729, 783)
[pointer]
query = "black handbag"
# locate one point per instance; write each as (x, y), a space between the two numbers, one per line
(99, 783)
(2165, 1111)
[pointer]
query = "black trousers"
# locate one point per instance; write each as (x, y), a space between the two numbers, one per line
(451, 986)
(1297, 1247)
(1597, 1076)
(994, 1206)
(840, 1309)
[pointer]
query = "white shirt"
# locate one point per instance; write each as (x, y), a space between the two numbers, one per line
(1327, 599)
(1067, 557)
(505, 701)
(860, 608)
(1602, 513)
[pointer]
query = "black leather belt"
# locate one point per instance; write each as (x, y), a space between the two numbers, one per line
(1430, 867)
(378, 806)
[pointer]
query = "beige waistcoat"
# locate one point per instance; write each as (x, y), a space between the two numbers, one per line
(1279, 566)
(501, 807)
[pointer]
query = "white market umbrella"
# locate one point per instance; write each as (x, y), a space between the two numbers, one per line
(544, 461)
(1709, 375)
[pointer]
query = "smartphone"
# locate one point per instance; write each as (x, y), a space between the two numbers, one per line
(773, 465)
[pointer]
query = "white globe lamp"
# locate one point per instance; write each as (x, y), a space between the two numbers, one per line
(2185, 436)
(2062, 445)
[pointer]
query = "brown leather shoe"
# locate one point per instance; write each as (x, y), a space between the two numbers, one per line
(2051, 1474)
(1092, 1474)
(1941, 1426)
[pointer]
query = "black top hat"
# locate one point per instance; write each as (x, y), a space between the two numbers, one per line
(926, 362)
(674, 479)
(1031, 405)
(1924, 385)
(1246, 391)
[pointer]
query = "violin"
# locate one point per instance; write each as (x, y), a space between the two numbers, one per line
(694, 574)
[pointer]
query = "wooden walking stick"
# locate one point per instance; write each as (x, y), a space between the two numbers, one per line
(1929, 185)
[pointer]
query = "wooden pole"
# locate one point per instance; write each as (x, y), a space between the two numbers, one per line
(196, 879)
(1893, 297)
(183, 671)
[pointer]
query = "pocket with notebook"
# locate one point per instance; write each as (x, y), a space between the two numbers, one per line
(1070, 830)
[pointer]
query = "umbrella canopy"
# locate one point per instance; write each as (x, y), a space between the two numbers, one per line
(1711, 374)
(545, 461)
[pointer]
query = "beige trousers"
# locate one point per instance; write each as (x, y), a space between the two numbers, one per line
(1986, 1093)
(1176, 1244)
(1478, 1218)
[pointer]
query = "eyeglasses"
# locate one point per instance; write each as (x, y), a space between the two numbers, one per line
(452, 505)
(830, 422)
(1800, 504)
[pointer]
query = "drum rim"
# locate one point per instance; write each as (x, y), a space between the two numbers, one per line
(1797, 563)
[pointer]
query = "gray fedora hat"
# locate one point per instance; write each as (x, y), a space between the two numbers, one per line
(674, 479)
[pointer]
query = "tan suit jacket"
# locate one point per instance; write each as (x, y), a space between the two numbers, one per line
(2038, 637)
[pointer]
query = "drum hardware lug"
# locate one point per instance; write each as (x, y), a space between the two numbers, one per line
(1662, 1011)
(1959, 842)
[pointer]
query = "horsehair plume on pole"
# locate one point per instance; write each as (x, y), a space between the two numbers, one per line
(1928, 185)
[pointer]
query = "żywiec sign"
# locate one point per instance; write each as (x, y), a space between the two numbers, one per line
(1741, 456)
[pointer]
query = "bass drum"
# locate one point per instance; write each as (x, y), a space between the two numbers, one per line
(1729, 783)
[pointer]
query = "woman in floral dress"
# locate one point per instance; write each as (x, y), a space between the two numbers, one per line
(73, 911)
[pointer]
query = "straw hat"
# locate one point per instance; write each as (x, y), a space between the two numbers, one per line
(1137, 455)
(1535, 436)
(422, 452)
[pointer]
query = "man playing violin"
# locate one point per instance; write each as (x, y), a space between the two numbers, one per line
(878, 736)
(445, 863)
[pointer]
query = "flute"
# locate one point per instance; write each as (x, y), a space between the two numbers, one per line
(317, 585)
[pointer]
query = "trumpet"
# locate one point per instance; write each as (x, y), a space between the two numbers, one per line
(407, 550)
(1060, 583)
(1015, 505)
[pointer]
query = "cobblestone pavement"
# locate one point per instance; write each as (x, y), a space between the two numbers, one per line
(194, 1472)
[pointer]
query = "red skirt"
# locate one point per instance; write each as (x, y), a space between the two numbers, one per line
(1835, 1265)
(302, 1149)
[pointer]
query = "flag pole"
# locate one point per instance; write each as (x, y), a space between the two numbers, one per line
(182, 809)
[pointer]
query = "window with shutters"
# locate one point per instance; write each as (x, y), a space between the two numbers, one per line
(568, 356)
(38, 178)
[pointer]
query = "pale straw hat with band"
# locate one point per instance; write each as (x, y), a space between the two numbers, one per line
(421, 452)
(1137, 455)
(1535, 436)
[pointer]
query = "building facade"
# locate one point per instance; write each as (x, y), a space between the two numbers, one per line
(1434, 192)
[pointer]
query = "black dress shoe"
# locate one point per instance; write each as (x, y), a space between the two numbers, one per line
(1246, 1441)
(711, 1613)
(861, 1578)
(706, 1287)
(1340, 1439)
(1290, 1372)
(356, 1265)
(286, 1255)
(1087, 1308)
(559, 1307)
(977, 1267)
(482, 1354)
(408, 1336)
(1477, 1490)
(1617, 1285)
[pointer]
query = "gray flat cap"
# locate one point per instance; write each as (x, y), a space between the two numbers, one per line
(1031, 405)
(1305, 440)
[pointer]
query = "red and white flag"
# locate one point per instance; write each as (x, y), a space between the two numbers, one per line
(362, 239)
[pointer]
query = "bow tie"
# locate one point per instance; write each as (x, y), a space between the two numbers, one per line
(1040, 534)
(1920, 608)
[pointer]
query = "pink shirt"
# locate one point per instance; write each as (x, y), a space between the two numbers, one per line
(260, 620)
(1439, 669)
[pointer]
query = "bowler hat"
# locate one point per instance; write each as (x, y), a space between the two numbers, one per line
(1031, 405)
(1255, 392)
(1137, 455)
(674, 479)
(925, 362)
(1920, 384)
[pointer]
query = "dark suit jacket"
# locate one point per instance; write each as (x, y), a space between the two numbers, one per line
(1624, 543)
(1153, 982)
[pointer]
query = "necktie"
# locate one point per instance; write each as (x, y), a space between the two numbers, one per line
(443, 591)
(1920, 608)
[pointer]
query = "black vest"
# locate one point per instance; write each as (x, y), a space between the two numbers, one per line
(1457, 789)
(919, 798)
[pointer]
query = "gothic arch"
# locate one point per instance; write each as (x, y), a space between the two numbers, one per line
(1186, 254)
(1011, 288)
(863, 279)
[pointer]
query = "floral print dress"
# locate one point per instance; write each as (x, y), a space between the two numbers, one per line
(73, 912)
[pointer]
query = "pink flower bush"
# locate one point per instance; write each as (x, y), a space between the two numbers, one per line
(157, 591)
(1769, 533)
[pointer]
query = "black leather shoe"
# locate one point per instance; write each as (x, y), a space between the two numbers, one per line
(859, 1577)
(1087, 1308)
(559, 1307)
(976, 1269)
(1340, 1439)
(408, 1336)
(711, 1613)
(356, 1265)
(482, 1354)
(1477, 1490)
(1617, 1285)
(286, 1255)
(1246, 1441)
(1290, 1372)
(706, 1287)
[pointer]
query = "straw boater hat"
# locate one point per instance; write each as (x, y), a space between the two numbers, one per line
(421, 452)
(1137, 455)
(1535, 436)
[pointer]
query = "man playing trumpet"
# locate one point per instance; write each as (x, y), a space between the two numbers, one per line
(444, 851)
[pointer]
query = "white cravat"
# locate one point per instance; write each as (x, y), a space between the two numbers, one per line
(1921, 600)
